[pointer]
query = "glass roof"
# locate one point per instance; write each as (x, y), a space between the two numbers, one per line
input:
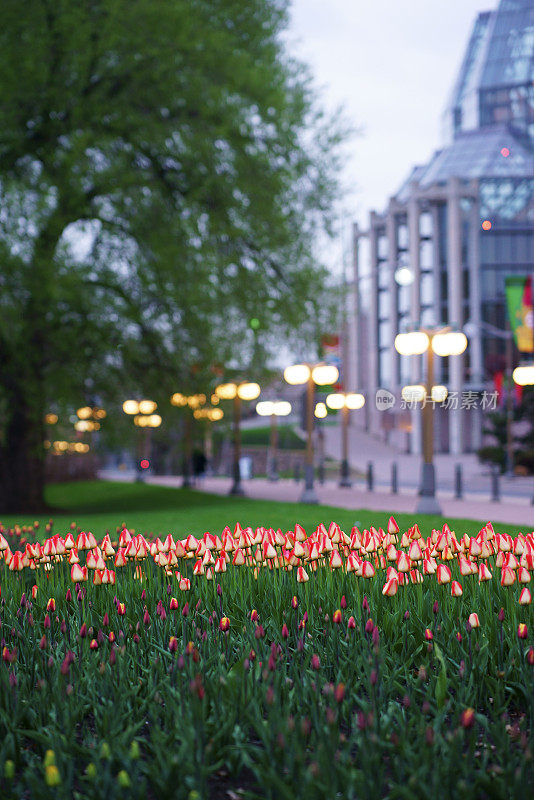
(487, 153)
(510, 54)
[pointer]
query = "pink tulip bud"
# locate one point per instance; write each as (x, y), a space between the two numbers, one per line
(501, 615)
(42, 643)
(315, 662)
(351, 624)
(522, 630)
(285, 631)
(185, 610)
(343, 602)
(467, 718)
(46, 622)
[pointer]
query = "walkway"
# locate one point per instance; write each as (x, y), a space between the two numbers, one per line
(512, 510)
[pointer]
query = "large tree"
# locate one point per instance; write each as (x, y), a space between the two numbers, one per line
(164, 172)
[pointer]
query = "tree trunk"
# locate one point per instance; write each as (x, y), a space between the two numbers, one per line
(22, 466)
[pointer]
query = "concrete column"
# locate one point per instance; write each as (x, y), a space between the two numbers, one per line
(455, 289)
(369, 373)
(354, 312)
(391, 234)
(475, 316)
(414, 254)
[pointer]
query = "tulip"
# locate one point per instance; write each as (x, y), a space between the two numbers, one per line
(315, 662)
(94, 644)
(443, 574)
(390, 587)
(173, 605)
(467, 718)
(530, 656)
(507, 576)
(52, 776)
(339, 692)
(525, 598)
(456, 589)
(483, 573)
(428, 635)
(51, 605)
(351, 624)
(474, 621)
(173, 644)
(224, 624)
(121, 609)
(522, 630)
(336, 617)
(285, 631)
(302, 575)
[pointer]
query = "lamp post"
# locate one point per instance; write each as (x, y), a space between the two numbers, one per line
(345, 402)
(273, 409)
(320, 375)
(237, 392)
(143, 417)
(191, 403)
(442, 342)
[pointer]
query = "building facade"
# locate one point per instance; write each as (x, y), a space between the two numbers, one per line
(456, 228)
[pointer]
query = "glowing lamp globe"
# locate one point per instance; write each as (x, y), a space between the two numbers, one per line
(248, 391)
(282, 408)
(325, 374)
(130, 407)
(265, 408)
(524, 375)
(335, 401)
(412, 344)
(147, 406)
(439, 394)
(321, 411)
(414, 393)
(354, 401)
(297, 374)
(226, 391)
(452, 343)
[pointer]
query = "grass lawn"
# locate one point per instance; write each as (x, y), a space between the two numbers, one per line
(101, 505)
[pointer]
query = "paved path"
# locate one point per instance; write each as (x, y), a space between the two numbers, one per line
(517, 511)
(476, 476)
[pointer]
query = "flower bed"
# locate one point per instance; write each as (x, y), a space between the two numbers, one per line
(266, 663)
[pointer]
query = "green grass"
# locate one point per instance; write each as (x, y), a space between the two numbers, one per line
(261, 437)
(101, 505)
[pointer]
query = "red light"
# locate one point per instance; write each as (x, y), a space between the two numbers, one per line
(145, 463)
(505, 152)
(486, 225)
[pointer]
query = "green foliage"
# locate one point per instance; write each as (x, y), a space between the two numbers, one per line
(101, 505)
(323, 709)
(164, 171)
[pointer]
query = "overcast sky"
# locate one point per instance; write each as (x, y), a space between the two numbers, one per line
(392, 64)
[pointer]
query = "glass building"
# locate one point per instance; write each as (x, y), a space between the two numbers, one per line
(459, 225)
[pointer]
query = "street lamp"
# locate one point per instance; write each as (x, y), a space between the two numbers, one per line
(321, 375)
(143, 415)
(442, 342)
(345, 402)
(192, 403)
(237, 392)
(273, 409)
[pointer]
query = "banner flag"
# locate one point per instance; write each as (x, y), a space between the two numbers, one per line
(520, 313)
